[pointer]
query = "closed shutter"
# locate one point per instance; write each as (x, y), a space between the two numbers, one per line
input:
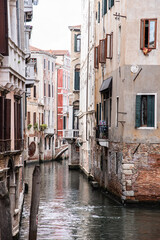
(98, 12)
(150, 110)
(34, 118)
(138, 111)
(97, 114)
(7, 120)
(104, 7)
(75, 42)
(1, 118)
(19, 130)
(3, 28)
(15, 125)
(77, 78)
(112, 3)
(28, 118)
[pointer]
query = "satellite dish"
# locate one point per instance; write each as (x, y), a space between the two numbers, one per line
(134, 68)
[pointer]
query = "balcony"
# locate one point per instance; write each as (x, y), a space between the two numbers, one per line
(28, 9)
(102, 135)
(30, 74)
(5, 145)
(71, 134)
(49, 131)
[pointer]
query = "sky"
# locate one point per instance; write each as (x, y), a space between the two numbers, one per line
(51, 19)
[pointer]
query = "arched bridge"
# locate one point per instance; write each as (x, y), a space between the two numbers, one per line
(60, 151)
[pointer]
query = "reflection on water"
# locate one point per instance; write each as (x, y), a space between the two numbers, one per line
(71, 210)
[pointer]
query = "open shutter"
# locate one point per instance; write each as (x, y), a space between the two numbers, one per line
(112, 3)
(138, 111)
(3, 28)
(15, 125)
(75, 42)
(97, 114)
(150, 110)
(100, 111)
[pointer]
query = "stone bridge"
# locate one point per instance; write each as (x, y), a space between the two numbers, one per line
(60, 151)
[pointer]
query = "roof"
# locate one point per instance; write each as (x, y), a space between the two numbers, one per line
(59, 52)
(78, 27)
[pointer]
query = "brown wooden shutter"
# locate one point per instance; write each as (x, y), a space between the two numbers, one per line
(34, 118)
(7, 120)
(3, 28)
(28, 118)
(102, 51)
(15, 125)
(42, 118)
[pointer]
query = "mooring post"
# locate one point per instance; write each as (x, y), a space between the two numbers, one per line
(36, 179)
(5, 215)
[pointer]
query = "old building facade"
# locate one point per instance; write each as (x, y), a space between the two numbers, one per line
(125, 156)
(14, 56)
(41, 107)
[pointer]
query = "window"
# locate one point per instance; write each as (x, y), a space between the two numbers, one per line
(28, 118)
(75, 119)
(34, 118)
(49, 65)
(109, 46)
(3, 28)
(34, 92)
(52, 91)
(44, 89)
(45, 143)
(49, 90)
(49, 143)
(148, 33)
(44, 63)
(98, 12)
(117, 111)
(145, 110)
(104, 7)
(96, 57)
(52, 67)
(107, 105)
(77, 43)
(110, 3)
(64, 122)
(77, 79)
(102, 52)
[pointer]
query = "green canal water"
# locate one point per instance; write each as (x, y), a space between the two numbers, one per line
(71, 210)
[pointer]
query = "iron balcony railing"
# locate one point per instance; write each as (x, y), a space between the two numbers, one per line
(102, 132)
(18, 144)
(5, 145)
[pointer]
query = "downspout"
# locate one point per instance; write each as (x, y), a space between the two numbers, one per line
(87, 71)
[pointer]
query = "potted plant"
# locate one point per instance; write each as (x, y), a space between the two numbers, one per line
(29, 126)
(35, 126)
(43, 127)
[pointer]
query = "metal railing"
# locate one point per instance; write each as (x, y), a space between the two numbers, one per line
(5, 145)
(102, 132)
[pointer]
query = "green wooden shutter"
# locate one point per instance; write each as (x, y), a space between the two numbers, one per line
(112, 3)
(75, 42)
(98, 12)
(150, 110)
(138, 111)
(76, 84)
(109, 4)
(104, 7)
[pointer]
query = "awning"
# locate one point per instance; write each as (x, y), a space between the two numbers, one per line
(106, 84)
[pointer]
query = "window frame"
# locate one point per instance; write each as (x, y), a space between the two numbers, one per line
(109, 37)
(142, 45)
(77, 78)
(102, 50)
(155, 110)
(96, 57)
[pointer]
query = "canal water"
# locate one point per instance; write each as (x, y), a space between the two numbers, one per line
(71, 210)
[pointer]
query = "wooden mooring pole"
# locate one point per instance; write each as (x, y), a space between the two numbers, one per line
(36, 179)
(5, 215)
